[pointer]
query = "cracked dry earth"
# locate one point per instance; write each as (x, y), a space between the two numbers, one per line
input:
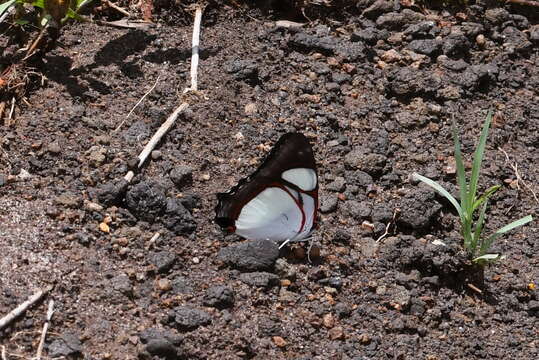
(375, 87)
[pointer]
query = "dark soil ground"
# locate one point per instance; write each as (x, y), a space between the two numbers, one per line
(375, 88)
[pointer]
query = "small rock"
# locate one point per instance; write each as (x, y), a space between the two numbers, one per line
(372, 164)
(122, 284)
(54, 148)
(480, 40)
(102, 139)
(250, 256)
(533, 305)
(177, 218)
(97, 155)
(68, 345)
(369, 35)
(250, 109)
(219, 297)
(378, 8)
(418, 209)
(328, 321)
(187, 318)
(181, 285)
(181, 176)
(112, 192)
(159, 342)
(156, 155)
(391, 56)
(163, 261)
(394, 20)
(429, 47)
(336, 333)
(497, 15)
(68, 200)
(92, 206)
(338, 185)
(164, 284)
(279, 341)
(358, 210)
(260, 279)
(146, 200)
(245, 70)
(328, 204)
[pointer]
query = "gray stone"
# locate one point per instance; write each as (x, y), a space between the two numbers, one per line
(372, 164)
(356, 209)
(260, 279)
(328, 203)
(163, 261)
(250, 256)
(429, 47)
(187, 318)
(219, 297)
(67, 345)
(181, 176)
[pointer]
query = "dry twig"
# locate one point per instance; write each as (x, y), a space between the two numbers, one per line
(184, 105)
(4, 355)
(6, 320)
(474, 288)
(393, 221)
(50, 311)
(195, 49)
(156, 137)
(117, 8)
(517, 174)
(523, 2)
(138, 103)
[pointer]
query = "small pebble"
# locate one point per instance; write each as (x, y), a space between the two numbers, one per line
(54, 148)
(480, 40)
(279, 341)
(156, 155)
(164, 284)
(104, 227)
(195, 260)
(336, 333)
(329, 321)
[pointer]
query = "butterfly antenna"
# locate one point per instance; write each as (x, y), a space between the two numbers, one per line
(284, 243)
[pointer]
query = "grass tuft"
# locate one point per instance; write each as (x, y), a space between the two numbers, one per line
(475, 243)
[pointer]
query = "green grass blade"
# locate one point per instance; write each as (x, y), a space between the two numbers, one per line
(485, 196)
(488, 242)
(5, 6)
(487, 258)
(478, 157)
(433, 184)
(461, 175)
(478, 229)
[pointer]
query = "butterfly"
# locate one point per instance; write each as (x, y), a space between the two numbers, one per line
(279, 201)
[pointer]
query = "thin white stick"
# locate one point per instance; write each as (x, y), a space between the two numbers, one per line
(194, 49)
(4, 355)
(138, 103)
(160, 132)
(50, 311)
(21, 308)
(172, 118)
(11, 111)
